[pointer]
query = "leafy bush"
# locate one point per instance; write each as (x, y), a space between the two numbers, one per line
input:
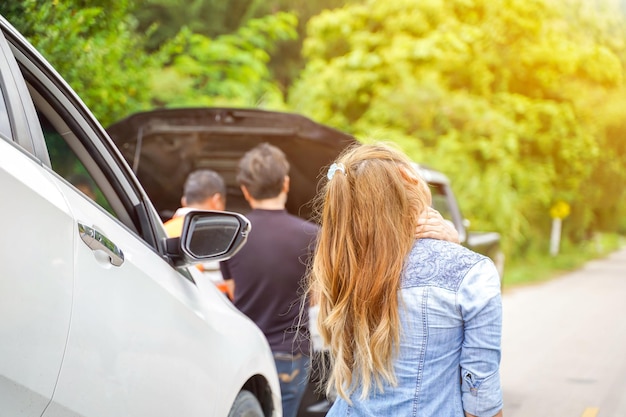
(521, 103)
(95, 49)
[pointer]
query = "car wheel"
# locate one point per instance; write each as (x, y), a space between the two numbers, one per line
(246, 405)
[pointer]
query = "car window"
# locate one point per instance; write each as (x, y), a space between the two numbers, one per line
(440, 201)
(74, 155)
(68, 141)
(67, 164)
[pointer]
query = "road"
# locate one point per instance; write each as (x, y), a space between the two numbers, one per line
(564, 344)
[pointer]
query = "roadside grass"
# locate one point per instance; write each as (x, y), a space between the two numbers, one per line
(539, 267)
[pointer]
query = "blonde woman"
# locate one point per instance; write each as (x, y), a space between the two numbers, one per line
(413, 326)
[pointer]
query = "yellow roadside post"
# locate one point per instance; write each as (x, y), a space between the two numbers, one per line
(558, 212)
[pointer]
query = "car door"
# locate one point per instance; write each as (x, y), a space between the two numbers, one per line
(135, 330)
(143, 339)
(37, 267)
(138, 331)
(123, 331)
(139, 342)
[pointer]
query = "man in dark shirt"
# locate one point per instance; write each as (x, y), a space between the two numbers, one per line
(268, 272)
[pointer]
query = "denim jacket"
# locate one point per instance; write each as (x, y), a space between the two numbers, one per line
(449, 354)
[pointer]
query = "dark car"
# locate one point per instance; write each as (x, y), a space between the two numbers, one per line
(164, 146)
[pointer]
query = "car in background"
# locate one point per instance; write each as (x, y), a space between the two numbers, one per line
(100, 313)
(163, 146)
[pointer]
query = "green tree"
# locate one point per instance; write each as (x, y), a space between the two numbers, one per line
(495, 93)
(94, 46)
(164, 19)
(210, 18)
(109, 67)
(286, 61)
(227, 70)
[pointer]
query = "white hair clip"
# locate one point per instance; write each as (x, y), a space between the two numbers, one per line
(334, 168)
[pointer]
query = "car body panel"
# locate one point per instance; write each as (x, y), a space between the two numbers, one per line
(138, 359)
(39, 304)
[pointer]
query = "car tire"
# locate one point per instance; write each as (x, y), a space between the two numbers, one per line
(246, 405)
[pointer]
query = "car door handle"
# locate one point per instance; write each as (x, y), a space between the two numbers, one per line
(97, 241)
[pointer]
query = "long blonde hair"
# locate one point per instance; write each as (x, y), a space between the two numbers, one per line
(369, 211)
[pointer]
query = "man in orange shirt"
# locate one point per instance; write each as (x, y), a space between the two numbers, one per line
(204, 190)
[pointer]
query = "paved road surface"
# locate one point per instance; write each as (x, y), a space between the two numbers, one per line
(564, 344)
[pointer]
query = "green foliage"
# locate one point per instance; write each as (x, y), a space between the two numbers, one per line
(286, 61)
(115, 76)
(228, 70)
(519, 101)
(164, 19)
(94, 48)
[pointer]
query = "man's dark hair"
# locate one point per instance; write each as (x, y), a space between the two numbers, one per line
(202, 184)
(262, 170)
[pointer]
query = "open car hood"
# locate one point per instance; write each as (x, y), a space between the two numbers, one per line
(164, 146)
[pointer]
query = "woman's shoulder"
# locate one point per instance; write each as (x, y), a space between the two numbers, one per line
(435, 248)
(439, 263)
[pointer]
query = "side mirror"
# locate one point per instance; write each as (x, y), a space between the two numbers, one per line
(209, 235)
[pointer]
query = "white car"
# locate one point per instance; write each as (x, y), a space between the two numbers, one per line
(100, 313)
